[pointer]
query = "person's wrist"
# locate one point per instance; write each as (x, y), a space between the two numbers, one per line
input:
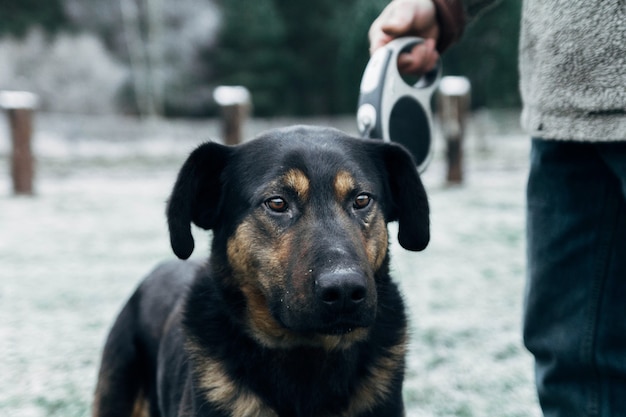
(451, 19)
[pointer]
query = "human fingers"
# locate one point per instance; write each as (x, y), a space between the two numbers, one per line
(410, 17)
(401, 18)
(421, 59)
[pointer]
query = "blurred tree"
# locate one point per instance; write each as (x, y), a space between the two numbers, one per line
(70, 72)
(161, 41)
(352, 26)
(487, 55)
(18, 16)
(322, 51)
(251, 52)
(314, 38)
(300, 44)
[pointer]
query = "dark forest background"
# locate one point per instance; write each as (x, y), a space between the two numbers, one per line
(296, 58)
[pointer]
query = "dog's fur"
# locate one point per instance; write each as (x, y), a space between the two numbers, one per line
(294, 314)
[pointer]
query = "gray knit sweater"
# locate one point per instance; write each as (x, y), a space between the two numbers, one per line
(572, 56)
(573, 69)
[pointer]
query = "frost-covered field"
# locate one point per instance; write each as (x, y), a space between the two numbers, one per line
(70, 257)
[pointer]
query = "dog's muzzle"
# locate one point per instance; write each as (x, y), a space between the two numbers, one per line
(344, 300)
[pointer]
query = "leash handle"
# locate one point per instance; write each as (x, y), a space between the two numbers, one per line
(391, 109)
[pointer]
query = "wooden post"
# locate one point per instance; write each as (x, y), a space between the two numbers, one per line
(20, 107)
(453, 107)
(234, 102)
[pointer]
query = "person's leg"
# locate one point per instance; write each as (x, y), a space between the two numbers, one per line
(611, 340)
(575, 308)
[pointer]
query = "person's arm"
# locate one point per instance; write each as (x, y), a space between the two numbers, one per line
(440, 22)
(451, 19)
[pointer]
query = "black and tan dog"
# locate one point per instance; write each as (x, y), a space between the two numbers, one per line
(294, 314)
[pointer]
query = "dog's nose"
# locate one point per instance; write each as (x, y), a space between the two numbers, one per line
(341, 291)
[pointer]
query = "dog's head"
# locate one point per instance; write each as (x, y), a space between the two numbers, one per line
(299, 220)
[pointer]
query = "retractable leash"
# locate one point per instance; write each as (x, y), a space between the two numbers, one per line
(392, 110)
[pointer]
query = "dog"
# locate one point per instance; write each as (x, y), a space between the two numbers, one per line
(294, 314)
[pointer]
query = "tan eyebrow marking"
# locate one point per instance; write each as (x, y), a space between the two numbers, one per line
(344, 184)
(298, 181)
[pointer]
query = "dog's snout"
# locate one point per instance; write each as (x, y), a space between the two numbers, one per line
(341, 291)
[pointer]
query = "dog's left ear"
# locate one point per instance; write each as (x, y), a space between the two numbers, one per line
(409, 203)
(196, 195)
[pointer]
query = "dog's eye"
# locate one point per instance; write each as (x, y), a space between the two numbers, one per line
(361, 201)
(276, 204)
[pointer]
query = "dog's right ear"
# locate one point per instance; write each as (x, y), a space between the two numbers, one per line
(409, 201)
(196, 195)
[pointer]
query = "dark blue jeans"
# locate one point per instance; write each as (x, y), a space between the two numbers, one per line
(575, 306)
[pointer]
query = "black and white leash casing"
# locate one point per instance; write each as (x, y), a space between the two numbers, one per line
(392, 109)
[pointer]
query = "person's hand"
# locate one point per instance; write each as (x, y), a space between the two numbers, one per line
(408, 18)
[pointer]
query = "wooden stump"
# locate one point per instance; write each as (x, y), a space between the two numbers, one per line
(20, 107)
(234, 102)
(453, 108)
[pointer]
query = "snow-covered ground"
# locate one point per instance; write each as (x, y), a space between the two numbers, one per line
(71, 255)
